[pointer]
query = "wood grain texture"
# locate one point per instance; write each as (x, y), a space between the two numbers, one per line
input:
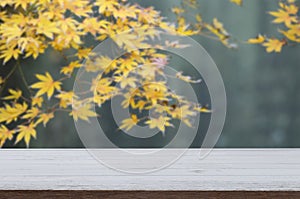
(222, 170)
(148, 194)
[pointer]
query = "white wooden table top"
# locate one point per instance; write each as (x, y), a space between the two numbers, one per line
(222, 169)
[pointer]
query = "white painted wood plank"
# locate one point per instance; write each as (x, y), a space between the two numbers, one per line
(222, 169)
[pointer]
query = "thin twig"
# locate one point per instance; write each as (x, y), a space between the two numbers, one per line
(23, 78)
(7, 77)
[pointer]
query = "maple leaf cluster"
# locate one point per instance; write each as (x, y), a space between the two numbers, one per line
(29, 27)
(288, 16)
(214, 30)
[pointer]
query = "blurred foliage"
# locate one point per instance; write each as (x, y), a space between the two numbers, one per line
(56, 36)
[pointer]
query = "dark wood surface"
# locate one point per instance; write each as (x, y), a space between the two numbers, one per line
(21, 194)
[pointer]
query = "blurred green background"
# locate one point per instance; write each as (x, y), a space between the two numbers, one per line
(262, 89)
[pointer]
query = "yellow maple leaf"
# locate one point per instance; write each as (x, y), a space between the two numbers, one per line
(66, 98)
(67, 70)
(128, 123)
(46, 85)
(14, 94)
(26, 132)
(4, 3)
(106, 5)
(128, 81)
(184, 28)
(126, 66)
(92, 25)
(188, 79)
(9, 53)
(202, 109)
(125, 12)
(103, 86)
(33, 48)
(130, 41)
(139, 105)
(37, 101)
(128, 99)
(182, 112)
(100, 63)
(83, 53)
(292, 9)
(177, 10)
(5, 134)
(237, 2)
(31, 113)
(218, 30)
(22, 3)
(274, 45)
(45, 117)
(11, 31)
(155, 92)
(258, 40)
(83, 112)
(11, 113)
(295, 29)
(161, 122)
(293, 33)
(283, 16)
(46, 27)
